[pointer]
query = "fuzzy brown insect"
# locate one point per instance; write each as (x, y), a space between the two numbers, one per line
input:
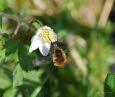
(59, 56)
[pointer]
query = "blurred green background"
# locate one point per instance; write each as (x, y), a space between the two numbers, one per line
(86, 29)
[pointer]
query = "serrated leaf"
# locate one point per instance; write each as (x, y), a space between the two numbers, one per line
(109, 86)
(17, 76)
(24, 59)
(10, 47)
(10, 92)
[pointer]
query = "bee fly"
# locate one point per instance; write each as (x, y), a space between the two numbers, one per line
(59, 56)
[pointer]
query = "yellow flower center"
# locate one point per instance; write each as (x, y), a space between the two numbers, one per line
(46, 35)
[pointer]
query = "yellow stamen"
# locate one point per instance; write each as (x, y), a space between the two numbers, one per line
(46, 35)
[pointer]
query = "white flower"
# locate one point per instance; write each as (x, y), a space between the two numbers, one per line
(42, 40)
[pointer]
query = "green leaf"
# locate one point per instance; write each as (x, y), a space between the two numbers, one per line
(38, 89)
(5, 82)
(10, 47)
(33, 76)
(24, 59)
(17, 76)
(26, 89)
(36, 25)
(109, 86)
(10, 92)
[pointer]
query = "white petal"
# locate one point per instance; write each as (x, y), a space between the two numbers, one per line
(40, 29)
(45, 27)
(53, 38)
(35, 42)
(44, 48)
